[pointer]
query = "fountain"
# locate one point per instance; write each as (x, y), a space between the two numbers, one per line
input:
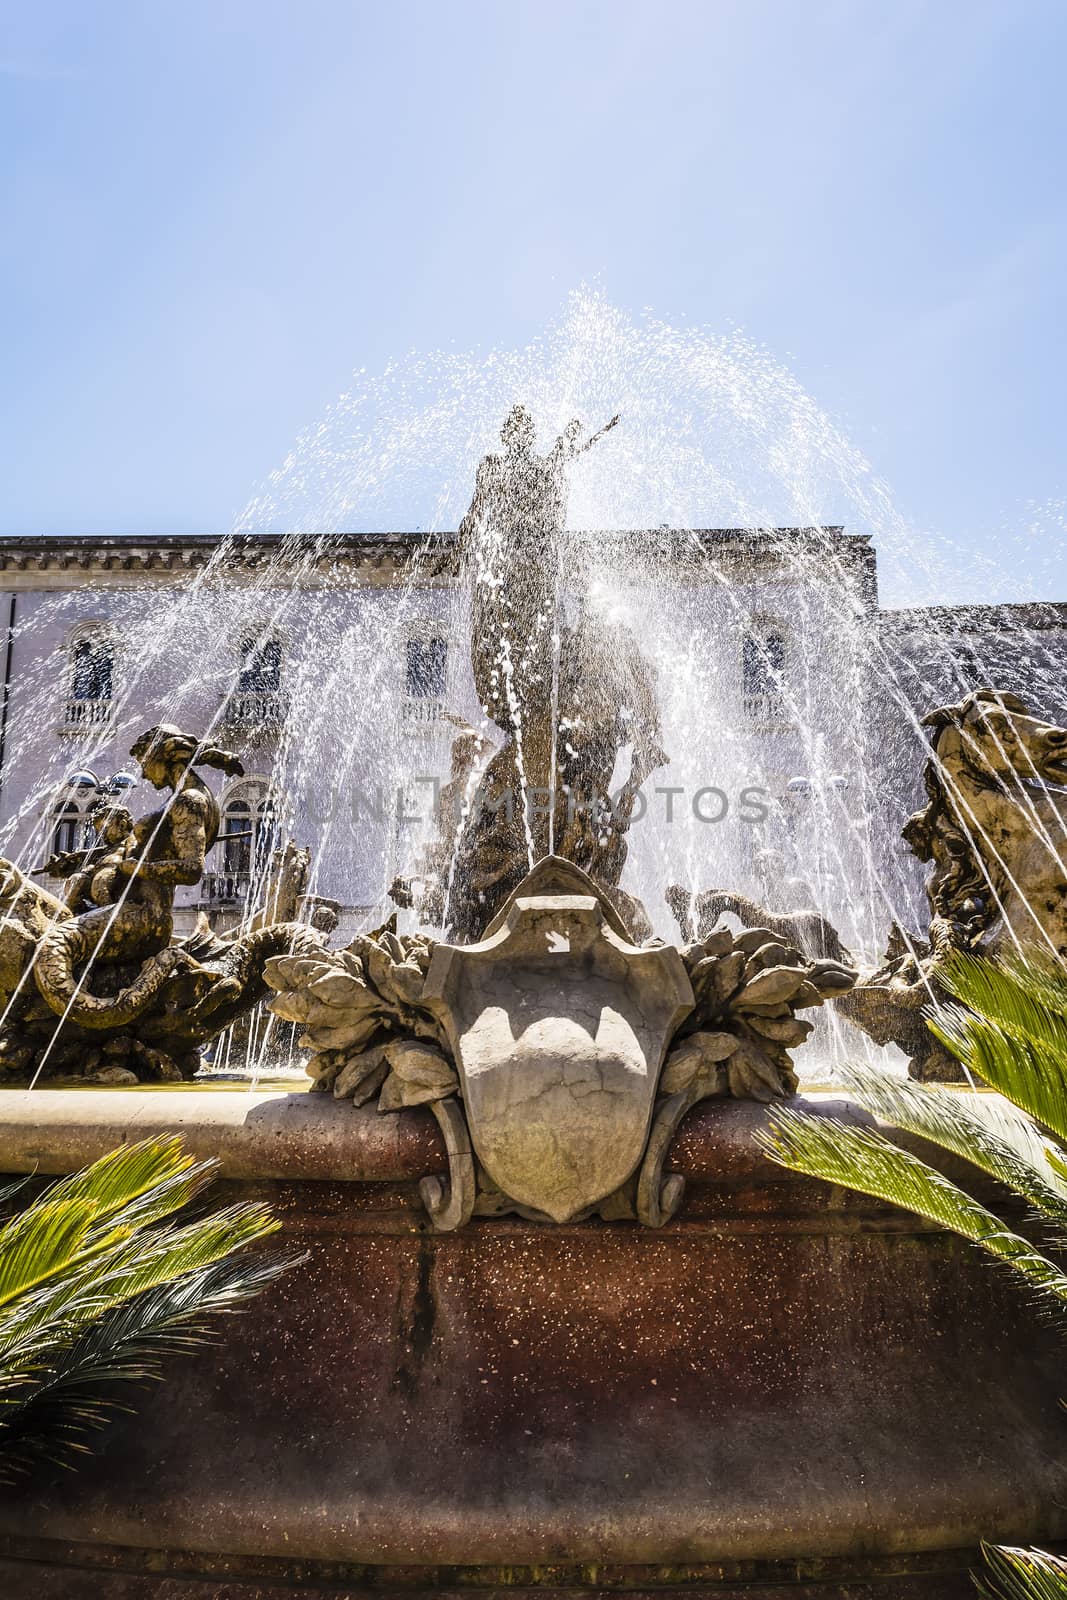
(561, 1324)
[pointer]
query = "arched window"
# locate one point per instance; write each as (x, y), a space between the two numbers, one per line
(93, 667)
(425, 665)
(237, 836)
(261, 665)
(764, 665)
(427, 662)
(68, 828)
(90, 677)
(249, 830)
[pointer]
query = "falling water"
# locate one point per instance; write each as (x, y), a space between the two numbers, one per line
(816, 758)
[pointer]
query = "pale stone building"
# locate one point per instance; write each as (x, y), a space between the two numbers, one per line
(338, 670)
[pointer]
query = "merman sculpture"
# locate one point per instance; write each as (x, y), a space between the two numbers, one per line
(95, 983)
(995, 832)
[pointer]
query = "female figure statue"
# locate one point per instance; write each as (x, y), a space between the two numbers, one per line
(568, 695)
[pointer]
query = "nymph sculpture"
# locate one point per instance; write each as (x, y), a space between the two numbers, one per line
(566, 687)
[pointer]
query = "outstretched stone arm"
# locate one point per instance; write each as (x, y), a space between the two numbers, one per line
(476, 511)
(190, 839)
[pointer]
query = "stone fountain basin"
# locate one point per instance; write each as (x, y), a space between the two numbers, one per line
(789, 1391)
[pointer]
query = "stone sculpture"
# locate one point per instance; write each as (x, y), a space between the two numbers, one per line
(94, 984)
(426, 889)
(567, 689)
(995, 830)
(557, 1056)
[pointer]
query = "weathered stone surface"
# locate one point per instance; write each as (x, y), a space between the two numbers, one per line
(548, 1037)
(792, 1393)
(558, 1027)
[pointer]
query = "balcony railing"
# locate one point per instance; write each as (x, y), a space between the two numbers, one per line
(82, 715)
(252, 713)
(767, 711)
(417, 711)
(224, 888)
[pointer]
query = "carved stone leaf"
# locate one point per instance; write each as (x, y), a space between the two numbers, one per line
(715, 980)
(290, 1005)
(362, 1076)
(420, 1074)
(753, 939)
(379, 964)
(772, 986)
(407, 981)
(789, 1031)
(754, 1076)
(696, 1063)
(338, 988)
(347, 1036)
(830, 977)
(421, 1064)
(774, 955)
(291, 972)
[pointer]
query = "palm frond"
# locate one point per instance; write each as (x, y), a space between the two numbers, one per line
(1022, 1574)
(863, 1159)
(981, 1129)
(75, 1395)
(56, 1310)
(47, 1238)
(1010, 1028)
(138, 1183)
(96, 1285)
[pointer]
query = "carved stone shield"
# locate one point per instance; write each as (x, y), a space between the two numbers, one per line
(559, 1026)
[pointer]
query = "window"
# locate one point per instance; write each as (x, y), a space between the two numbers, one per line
(91, 668)
(427, 660)
(68, 831)
(249, 830)
(763, 664)
(261, 666)
(970, 673)
(764, 661)
(237, 836)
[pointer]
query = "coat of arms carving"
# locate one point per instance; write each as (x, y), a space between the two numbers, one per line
(557, 1056)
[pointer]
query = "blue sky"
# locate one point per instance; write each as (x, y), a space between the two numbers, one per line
(214, 212)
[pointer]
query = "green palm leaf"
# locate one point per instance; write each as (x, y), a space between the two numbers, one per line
(96, 1285)
(1023, 1575)
(64, 1404)
(1011, 1029)
(863, 1159)
(999, 1139)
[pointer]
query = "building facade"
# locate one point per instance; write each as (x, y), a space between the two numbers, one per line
(338, 670)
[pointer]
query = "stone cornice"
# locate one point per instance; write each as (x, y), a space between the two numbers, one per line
(1035, 615)
(165, 553)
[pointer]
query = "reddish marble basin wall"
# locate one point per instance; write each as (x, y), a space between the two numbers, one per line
(786, 1392)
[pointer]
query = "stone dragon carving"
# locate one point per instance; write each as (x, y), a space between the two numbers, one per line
(94, 983)
(509, 1042)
